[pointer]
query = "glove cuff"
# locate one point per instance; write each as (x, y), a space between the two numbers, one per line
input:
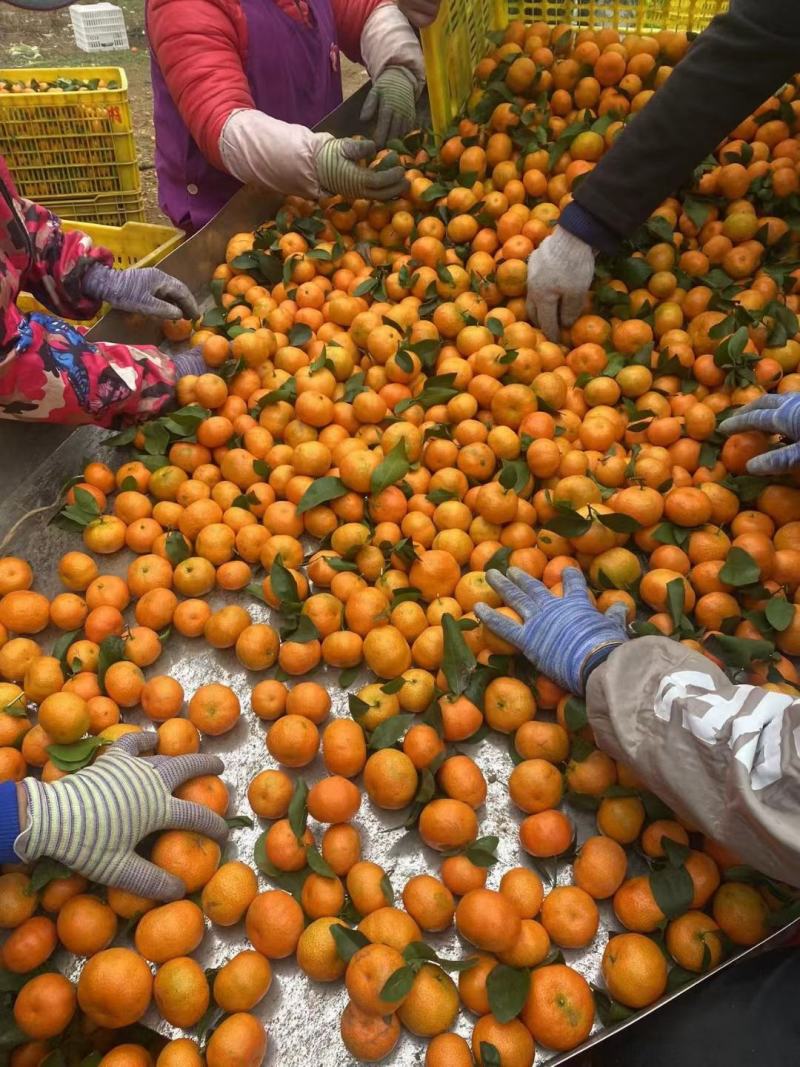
(9, 822)
(32, 841)
(94, 282)
(190, 362)
(581, 223)
(595, 658)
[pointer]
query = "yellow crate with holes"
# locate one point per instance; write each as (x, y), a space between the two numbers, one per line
(67, 136)
(459, 37)
(136, 244)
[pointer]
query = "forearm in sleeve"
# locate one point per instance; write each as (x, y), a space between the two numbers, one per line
(723, 756)
(733, 67)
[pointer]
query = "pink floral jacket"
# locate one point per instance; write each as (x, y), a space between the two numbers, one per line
(49, 372)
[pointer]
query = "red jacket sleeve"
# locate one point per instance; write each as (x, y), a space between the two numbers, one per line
(200, 46)
(350, 16)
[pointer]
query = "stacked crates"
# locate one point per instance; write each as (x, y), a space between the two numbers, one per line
(67, 137)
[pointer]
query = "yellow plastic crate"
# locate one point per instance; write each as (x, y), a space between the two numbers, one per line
(136, 244)
(459, 37)
(69, 144)
(106, 209)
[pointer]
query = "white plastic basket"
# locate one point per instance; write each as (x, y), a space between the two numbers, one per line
(99, 27)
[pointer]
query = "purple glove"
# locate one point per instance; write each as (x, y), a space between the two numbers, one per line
(565, 637)
(190, 362)
(771, 413)
(146, 290)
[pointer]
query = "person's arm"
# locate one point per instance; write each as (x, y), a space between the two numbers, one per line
(730, 69)
(725, 757)
(198, 45)
(378, 34)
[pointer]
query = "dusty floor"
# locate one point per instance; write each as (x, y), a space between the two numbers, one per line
(24, 34)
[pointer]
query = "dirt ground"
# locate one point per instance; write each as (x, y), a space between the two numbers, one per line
(45, 39)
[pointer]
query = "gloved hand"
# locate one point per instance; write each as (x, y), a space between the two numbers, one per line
(392, 102)
(560, 271)
(92, 820)
(565, 637)
(146, 290)
(771, 413)
(420, 12)
(190, 362)
(338, 172)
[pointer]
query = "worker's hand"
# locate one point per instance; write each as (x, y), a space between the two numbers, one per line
(338, 172)
(420, 12)
(560, 272)
(146, 290)
(771, 413)
(392, 104)
(565, 637)
(92, 820)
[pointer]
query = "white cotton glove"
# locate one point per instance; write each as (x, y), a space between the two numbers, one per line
(420, 12)
(560, 273)
(393, 58)
(281, 156)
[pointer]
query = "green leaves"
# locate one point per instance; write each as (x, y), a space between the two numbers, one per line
(439, 388)
(739, 652)
(321, 491)
(70, 758)
(671, 884)
(46, 871)
(779, 613)
(390, 731)
(398, 985)
(483, 851)
(59, 652)
(300, 334)
(490, 1057)
(514, 475)
(284, 586)
(390, 471)
(176, 547)
(298, 809)
(239, 822)
(83, 511)
(740, 568)
(112, 650)
(507, 988)
(575, 714)
(347, 941)
(458, 661)
(318, 864)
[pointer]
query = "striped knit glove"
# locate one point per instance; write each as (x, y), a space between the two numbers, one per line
(565, 637)
(92, 821)
(771, 413)
(146, 290)
(338, 172)
(392, 101)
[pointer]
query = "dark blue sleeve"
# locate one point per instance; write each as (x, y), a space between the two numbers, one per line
(732, 67)
(9, 822)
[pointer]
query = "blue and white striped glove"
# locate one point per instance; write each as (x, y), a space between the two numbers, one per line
(771, 413)
(92, 820)
(564, 637)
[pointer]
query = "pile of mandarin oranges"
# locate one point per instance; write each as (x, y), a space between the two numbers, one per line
(378, 426)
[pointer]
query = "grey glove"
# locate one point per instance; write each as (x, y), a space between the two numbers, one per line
(392, 102)
(420, 12)
(771, 413)
(560, 273)
(338, 172)
(92, 820)
(146, 290)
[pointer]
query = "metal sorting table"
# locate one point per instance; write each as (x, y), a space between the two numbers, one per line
(303, 1016)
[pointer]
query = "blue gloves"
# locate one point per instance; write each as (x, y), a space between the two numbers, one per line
(565, 637)
(771, 413)
(146, 290)
(189, 362)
